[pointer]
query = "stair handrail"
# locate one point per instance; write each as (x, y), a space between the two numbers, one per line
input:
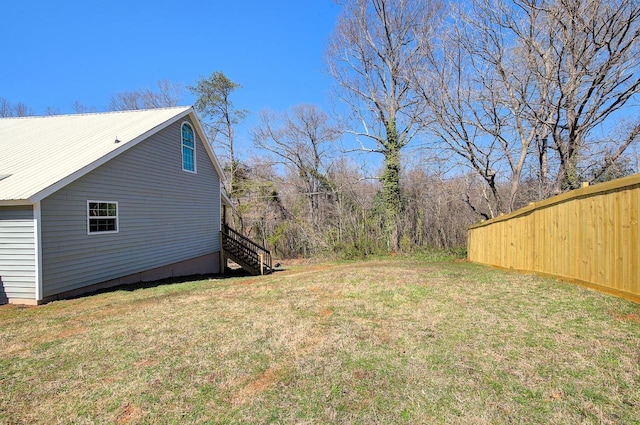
(243, 237)
(253, 246)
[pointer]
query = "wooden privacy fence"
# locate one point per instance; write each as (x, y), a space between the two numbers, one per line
(587, 236)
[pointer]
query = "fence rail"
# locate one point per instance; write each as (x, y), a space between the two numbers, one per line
(588, 236)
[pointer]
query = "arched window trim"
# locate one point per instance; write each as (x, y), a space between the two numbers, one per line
(186, 148)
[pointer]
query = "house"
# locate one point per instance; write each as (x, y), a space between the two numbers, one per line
(97, 200)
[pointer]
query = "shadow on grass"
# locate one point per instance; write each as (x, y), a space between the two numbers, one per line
(130, 287)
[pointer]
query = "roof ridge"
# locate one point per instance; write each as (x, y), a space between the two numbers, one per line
(95, 113)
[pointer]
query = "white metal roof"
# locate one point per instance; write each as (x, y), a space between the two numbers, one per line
(39, 155)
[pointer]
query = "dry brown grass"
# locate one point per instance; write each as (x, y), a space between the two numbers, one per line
(388, 341)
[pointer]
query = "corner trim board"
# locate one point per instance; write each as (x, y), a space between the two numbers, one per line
(37, 233)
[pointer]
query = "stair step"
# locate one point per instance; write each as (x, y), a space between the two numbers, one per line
(245, 252)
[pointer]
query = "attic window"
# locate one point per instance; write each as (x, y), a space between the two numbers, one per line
(188, 149)
(102, 217)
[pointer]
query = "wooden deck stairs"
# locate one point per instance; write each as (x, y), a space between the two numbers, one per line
(249, 255)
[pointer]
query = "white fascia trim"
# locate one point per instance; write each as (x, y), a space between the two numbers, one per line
(39, 196)
(207, 145)
(37, 235)
(225, 198)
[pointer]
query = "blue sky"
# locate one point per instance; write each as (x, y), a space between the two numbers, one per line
(59, 52)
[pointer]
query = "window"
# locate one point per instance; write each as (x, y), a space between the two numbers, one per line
(188, 149)
(102, 217)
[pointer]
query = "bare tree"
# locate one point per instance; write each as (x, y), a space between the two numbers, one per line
(126, 101)
(586, 57)
(52, 110)
(168, 94)
(165, 95)
(301, 140)
(522, 85)
(375, 45)
(355, 230)
(8, 109)
(80, 108)
(436, 215)
(476, 91)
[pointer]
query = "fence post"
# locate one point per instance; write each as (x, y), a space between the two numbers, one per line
(261, 257)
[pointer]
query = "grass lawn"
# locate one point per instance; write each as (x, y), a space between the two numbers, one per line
(397, 341)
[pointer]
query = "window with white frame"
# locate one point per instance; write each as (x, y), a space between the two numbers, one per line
(188, 148)
(102, 217)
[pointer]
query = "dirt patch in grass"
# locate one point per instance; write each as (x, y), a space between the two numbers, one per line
(130, 414)
(248, 393)
(632, 317)
(70, 332)
(147, 362)
(326, 312)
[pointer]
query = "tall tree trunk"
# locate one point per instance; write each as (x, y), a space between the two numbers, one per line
(391, 188)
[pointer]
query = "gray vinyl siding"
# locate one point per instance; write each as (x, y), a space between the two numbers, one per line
(166, 215)
(17, 253)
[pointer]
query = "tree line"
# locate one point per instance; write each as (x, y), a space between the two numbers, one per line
(474, 108)
(502, 103)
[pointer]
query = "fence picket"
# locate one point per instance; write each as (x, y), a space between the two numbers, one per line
(588, 236)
